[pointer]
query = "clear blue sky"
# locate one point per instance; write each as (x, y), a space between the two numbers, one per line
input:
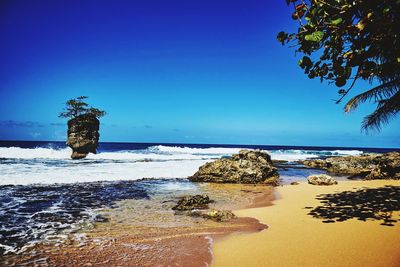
(167, 71)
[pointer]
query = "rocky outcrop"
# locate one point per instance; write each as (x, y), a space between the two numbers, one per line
(315, 163)
(193, 202)
(214, 215)
(219, 215)
(197, 206)
(321, 179)
(247, 167)
(83, 135)
(369, 166)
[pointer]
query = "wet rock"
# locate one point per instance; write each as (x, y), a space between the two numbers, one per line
(321, 179)
(83, 135)
(219, 215)
(193, 202)
(294, 183)
(247, 167)
(369, 166)
(315, 163)
(78, 155)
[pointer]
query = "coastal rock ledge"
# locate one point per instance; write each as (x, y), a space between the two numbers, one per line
(247, 167)
(83, 135)
(369, 166)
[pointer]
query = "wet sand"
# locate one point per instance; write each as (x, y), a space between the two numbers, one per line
(354, 223)
(148, 233)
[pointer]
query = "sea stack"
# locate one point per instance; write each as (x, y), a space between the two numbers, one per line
(83, 135)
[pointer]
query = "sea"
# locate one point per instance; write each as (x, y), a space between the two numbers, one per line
(45, 195)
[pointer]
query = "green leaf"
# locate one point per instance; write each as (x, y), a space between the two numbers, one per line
(336, 21)
(315, 36)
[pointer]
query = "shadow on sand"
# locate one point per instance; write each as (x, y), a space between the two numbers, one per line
(365, 204)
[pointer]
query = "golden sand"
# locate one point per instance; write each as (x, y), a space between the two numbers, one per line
(295, 238)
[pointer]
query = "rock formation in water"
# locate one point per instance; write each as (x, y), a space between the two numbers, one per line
(369, 166)
(193, 202)
(321, 179)
(219, 215)
(247, 167)
(83, 135)
(197, 206)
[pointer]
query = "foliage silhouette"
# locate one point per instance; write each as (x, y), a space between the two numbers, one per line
(347, 41)
(77, 107)
(365, 204)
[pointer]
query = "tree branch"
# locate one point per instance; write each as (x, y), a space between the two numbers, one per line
(348, 90)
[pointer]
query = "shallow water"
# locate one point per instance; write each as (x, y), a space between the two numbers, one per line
(34, 212)
(42, 212)
(135, 213)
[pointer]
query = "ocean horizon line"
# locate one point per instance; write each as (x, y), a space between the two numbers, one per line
(228, 145)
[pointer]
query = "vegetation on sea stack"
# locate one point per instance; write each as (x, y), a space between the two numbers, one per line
(76, 107)
(344, 41)
(83, 126)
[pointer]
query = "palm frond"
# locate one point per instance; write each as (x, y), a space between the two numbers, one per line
(378, 93)
(386, 110)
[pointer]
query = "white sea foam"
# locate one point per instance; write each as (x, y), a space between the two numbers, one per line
(163, 153)
(34, 153)
(23, 174)
(195, 151)
(297, 154)
(347, 152)
(290, 156)
(134, 155)
(47, 165)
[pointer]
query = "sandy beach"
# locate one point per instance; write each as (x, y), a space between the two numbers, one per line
(360, 228)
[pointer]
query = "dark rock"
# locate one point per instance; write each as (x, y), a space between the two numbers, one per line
(279, 161)
(294, 183)
(247, 167)
(369, 166)
(77, 155)
(83, 135)
(314, 163)
(193, 202)
(321, 179)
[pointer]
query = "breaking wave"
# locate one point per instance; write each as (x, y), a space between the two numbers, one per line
(44, 165)
(162, 152)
